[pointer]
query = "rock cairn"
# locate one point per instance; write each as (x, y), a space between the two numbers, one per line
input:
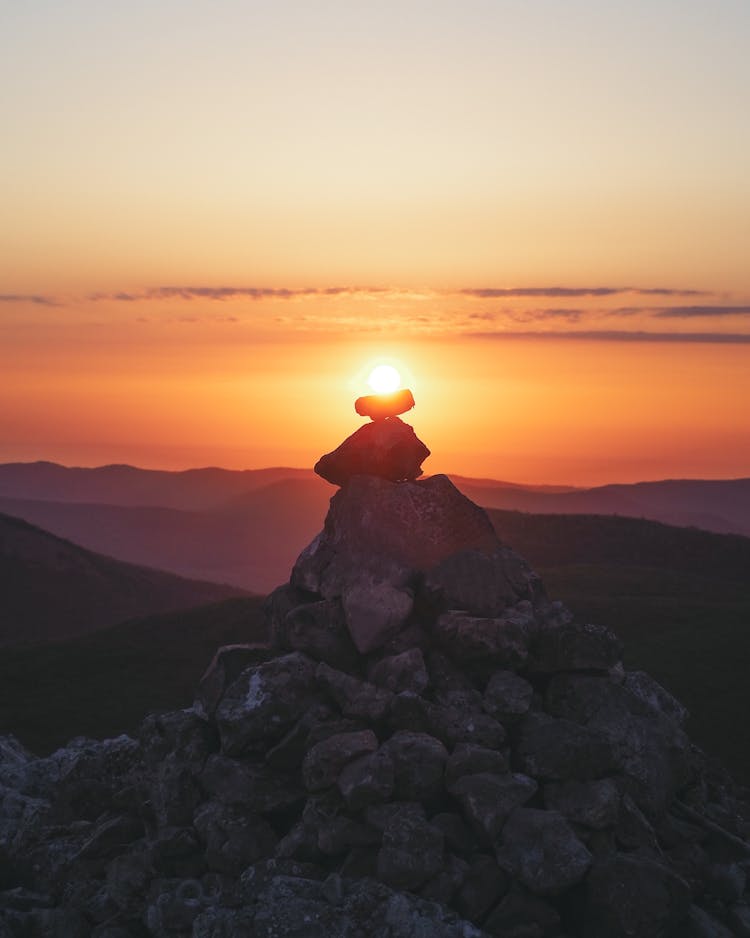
(426, 747)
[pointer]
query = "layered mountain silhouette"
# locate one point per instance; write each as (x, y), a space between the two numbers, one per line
(427, 745)
(242, 527)
(52, 588)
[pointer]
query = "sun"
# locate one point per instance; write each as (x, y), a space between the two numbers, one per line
(384, 379)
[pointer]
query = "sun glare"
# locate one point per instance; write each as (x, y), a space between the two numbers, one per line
(384, 379)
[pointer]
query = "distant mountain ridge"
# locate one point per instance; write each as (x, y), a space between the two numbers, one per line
(245, 528)
(52, 589)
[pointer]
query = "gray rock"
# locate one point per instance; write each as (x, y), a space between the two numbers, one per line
(484, 884)
(367, 780)
(264, 701)
(404, 672)
(649, 747)
(491, 642)
(227, 664)
(324, 762)
(699, 924)
(355, 698)
(540, 849)
(233, 782)
(523, 915)
(455, 726)
(375, 610)
(507, 696)
(468, 759)
(233, 837)
(487, 800)
(418, 765)
(550, 748)
(594, 804)
(738, 920)
(629, 895)
(319, 630)
(482, 583)
(412, 852)
(442, 887)
(643, 686)
(574, 647)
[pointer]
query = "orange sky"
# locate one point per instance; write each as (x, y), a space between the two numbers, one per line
(215, 217)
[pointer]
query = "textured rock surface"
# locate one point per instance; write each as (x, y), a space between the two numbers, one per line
(484, 770)
(389, 449)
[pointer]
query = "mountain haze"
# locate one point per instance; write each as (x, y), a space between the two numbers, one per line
(53, 589)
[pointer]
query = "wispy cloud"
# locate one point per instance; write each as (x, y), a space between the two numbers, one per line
(488, 293)
(693, 312)
(617, 335)
(248, 292)
(35, 298)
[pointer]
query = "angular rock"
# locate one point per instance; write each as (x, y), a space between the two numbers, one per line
(355, 698)
(574, 647)
(699, 924)
(326, 759)
(594, 804)
(227, 664)
(404, 672)
(389, 449)
(487, 800)
(482, 583)
(412, 852)
(507, 696)
(264, 702)
(550, 748)
(367, 780)
(389, 530)
(649, 747)
(456, 726)
(468, 759)
(442, 887)
(540, 849)
(648, 690)
(319, 630)
(630, 895)
(484, 885)
(457, 835)
(418, 765)
(232, 837)
(242, 783)
(496, 642)
(523, 915)
(375, 610)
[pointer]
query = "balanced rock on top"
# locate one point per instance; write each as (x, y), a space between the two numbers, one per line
(388, 448)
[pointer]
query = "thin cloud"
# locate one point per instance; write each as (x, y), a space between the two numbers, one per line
(489, 293)
(249, 292)
(691, 312)
(614, 335)
(35, 298)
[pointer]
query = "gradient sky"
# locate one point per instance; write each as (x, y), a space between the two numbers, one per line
(216, 216)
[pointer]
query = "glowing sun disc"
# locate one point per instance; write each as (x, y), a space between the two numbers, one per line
(384, 379)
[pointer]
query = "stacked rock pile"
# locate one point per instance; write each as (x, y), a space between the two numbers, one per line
(426, 747)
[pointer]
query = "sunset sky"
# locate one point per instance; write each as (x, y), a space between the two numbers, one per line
(216, 217)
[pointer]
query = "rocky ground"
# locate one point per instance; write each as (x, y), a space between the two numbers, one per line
(428, 747)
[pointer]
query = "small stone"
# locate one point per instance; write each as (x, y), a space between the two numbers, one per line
(457, 835)
(319, 630)
(550, 748)
(233, 838)
(375, 610)
(442, 887)
(523, 915)
(575, 647)
(507, 696)
(242, 783)
(482, 583)
(381, 406)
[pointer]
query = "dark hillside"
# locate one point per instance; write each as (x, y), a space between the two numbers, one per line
(52, 589)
